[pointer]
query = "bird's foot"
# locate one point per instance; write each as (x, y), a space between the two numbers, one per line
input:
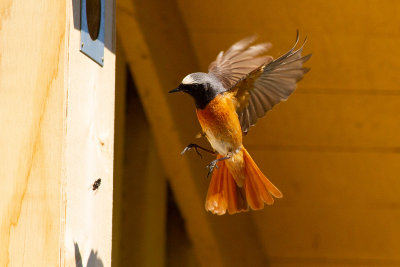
(196, 148)
(213, 164)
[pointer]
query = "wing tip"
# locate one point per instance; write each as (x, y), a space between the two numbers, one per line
(306, 57)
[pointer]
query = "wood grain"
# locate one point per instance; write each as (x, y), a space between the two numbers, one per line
(89, 147)
(32, 110)
(51, 153)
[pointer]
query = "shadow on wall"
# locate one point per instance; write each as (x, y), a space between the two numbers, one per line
(93, 260)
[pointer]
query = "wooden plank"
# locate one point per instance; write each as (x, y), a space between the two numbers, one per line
(330, 122)
(337, 233)
(338, 206)
(89, 146)
(348, 45)
(32, 109)
(338, 63)
(156, 69)
(59, 138)
(362, 180)
(326, 16)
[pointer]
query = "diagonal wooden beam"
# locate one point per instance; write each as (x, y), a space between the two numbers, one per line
(159, 54)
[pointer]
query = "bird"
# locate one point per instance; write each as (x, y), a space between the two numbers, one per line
(241, 85)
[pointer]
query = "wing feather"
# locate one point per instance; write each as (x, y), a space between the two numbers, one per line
(257, 105)
(239, 60)
(269, 84)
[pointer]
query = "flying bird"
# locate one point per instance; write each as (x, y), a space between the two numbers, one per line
(240, 87)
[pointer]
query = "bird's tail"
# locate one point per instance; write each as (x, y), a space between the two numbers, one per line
(225, 194)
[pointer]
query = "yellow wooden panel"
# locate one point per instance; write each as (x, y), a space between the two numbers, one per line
(339, 61)
(344, 233)
(326, 16)
(354, 43)
(330, 121)
(333, 179)
(32, 110)
(336, 206)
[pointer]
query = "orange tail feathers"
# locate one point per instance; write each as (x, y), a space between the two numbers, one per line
(224, 194)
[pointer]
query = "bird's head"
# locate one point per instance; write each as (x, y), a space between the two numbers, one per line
(201, 86)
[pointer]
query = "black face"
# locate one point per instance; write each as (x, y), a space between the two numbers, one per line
(202, 93)
(193, 88)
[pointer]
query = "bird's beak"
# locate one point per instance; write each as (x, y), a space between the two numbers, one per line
(176, 90)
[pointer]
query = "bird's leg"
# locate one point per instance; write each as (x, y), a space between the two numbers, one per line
(196, 147)
(213, 164)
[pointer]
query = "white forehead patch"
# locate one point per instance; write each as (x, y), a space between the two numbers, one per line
(188, 80)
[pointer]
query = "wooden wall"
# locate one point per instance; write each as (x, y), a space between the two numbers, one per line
(57, 117)
(332, 148)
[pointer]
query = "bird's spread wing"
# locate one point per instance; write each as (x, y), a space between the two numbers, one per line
(238, 61)
(267, 85)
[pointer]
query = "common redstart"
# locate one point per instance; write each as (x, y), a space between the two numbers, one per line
(241, 86)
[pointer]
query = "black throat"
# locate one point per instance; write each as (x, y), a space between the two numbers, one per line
(203, 97)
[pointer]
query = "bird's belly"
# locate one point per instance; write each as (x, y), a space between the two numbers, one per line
(220, 123)
(223, 147)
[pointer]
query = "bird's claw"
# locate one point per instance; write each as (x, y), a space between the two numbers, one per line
(190, 146)
(186, 149)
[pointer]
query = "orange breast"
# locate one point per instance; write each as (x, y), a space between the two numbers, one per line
(220, 123)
